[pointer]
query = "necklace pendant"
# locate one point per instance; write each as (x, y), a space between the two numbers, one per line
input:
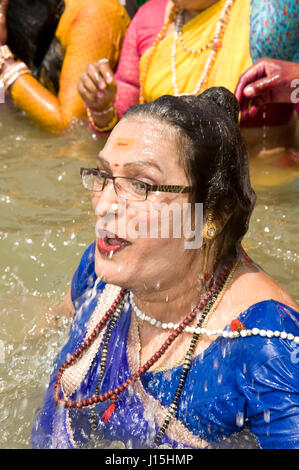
(108, 413)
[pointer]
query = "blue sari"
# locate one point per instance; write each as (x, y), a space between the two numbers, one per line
(235, 384)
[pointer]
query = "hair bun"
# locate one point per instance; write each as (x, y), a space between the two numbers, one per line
(224, 99)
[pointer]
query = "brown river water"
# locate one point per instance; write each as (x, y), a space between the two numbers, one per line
(46, 223)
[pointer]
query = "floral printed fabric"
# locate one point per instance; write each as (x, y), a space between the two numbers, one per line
(274, 29)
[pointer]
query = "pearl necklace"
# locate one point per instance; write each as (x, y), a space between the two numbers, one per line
(249, 332)
(153, 321)
(215, 44)
(220, 332)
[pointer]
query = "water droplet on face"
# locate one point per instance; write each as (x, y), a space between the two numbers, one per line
(119, 267)
(110, 254)
(158, 285)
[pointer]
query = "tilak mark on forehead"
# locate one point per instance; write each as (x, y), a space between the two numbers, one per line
(123, 143)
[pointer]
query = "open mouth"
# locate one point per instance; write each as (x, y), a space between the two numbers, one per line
(109, 243)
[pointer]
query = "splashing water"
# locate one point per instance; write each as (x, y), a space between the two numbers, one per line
(240, 419)
(267, 416)
(46, 225)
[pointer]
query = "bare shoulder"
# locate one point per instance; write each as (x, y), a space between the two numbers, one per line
(251, 285)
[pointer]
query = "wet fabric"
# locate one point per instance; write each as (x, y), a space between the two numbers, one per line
(234, 384)
(87, 31)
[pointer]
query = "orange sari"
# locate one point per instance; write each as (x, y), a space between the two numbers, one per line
(87, 31)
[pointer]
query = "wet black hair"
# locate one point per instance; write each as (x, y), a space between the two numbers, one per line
(214, 155)
(31, 27)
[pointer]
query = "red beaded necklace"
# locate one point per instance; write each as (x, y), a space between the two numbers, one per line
(113, 394)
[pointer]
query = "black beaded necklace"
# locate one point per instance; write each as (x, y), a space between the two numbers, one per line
(204, 307)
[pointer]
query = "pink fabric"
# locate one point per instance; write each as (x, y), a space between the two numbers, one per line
(139, 37)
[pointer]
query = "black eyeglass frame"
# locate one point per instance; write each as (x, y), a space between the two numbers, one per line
(164, 188)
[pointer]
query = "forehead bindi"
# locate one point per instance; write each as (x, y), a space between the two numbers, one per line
(129, 164)
(142, 143)
(123, 144)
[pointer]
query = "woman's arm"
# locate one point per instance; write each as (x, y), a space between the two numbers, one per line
(127, 73)
(267, 81)
(52, 316)
(99, 88)
(96, 31)
(67, 308)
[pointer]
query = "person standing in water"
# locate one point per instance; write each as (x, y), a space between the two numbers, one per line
(51, 44)
(173, 344)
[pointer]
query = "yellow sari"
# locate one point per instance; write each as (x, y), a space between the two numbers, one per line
(231, 61)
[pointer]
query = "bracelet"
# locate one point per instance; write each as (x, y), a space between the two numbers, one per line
(13, 72)
(100, 113)
(108, 128)
(5, 53)
(11, 80)
(11, 69)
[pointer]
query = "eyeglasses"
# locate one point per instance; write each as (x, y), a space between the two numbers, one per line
(127, 188)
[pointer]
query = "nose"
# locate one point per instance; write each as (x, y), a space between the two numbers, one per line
(105, 201)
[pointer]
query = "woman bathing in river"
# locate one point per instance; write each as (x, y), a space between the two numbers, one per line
(50, 44)
(173, 345)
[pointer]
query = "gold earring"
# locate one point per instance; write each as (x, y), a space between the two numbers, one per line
(209, 233)
(209, 228)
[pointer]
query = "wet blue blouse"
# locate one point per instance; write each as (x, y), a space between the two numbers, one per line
(239, 383)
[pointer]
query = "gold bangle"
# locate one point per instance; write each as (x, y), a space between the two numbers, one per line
(5, 53)
(13, 72)
(110, 125)
(101, 113)
(14, 77)
(13, 68)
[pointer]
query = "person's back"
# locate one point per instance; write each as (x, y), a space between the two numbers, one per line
(56, 51)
